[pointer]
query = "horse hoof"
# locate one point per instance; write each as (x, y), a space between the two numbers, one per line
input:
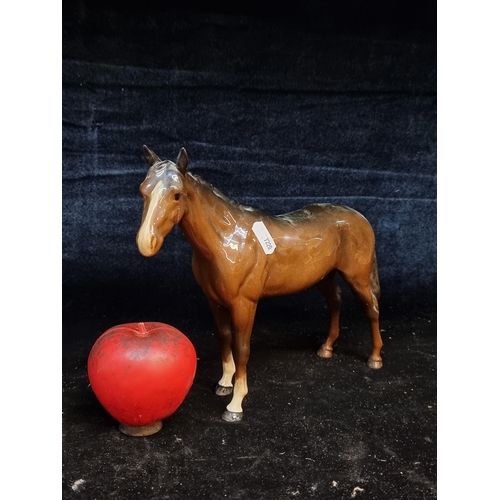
(375, 365)
(324, 352)
(232, 416)
(221, 390)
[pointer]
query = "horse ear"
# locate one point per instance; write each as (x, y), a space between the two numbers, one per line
(151, 157)
(182, 161)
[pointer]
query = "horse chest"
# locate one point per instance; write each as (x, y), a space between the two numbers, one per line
(224, 281)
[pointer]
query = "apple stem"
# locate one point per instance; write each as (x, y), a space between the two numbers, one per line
(142, 329)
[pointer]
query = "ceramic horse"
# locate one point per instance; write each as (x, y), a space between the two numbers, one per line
(241, 254)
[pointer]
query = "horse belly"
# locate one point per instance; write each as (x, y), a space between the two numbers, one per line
(299, 266)
(289, 284)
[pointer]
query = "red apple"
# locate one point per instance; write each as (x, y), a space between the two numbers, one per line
(141, 373)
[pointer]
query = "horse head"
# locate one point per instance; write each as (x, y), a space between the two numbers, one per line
(164, 200)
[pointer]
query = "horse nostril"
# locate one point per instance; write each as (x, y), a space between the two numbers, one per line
(153, 241)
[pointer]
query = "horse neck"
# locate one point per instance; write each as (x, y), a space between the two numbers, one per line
(202, 222)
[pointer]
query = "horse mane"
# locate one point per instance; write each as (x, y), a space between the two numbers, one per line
(229, 201)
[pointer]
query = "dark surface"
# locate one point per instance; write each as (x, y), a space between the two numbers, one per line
(312, 428)
(278, 107)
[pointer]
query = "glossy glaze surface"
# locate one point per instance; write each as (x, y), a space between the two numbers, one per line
(236, 262)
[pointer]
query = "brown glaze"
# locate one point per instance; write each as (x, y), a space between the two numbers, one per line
(234, 269)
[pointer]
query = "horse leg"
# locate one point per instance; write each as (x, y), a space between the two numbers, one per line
(332, 292)
(243, 315)
(365, 288)
(222, 319)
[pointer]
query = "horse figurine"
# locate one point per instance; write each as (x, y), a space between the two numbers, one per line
(241, 254)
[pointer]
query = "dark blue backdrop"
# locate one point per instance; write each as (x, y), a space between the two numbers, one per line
(277, 107)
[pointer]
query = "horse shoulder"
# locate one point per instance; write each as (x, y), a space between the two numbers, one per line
(230, 275)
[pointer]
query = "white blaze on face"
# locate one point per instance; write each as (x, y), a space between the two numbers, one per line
(146, 231)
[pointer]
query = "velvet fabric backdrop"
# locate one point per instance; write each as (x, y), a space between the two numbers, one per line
(277, 107)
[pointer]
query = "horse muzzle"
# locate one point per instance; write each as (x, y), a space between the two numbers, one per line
(148, 243)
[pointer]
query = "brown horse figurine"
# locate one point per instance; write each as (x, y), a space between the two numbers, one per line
(241, 254)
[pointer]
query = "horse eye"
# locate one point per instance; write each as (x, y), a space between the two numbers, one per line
(177, 196)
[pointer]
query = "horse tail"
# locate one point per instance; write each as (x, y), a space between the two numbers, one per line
(374, 281)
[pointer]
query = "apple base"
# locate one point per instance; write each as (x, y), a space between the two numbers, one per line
(141, 430)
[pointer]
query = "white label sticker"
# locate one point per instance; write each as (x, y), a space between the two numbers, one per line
(265, 239)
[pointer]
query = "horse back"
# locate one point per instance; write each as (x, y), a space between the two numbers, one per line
(326, 226)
